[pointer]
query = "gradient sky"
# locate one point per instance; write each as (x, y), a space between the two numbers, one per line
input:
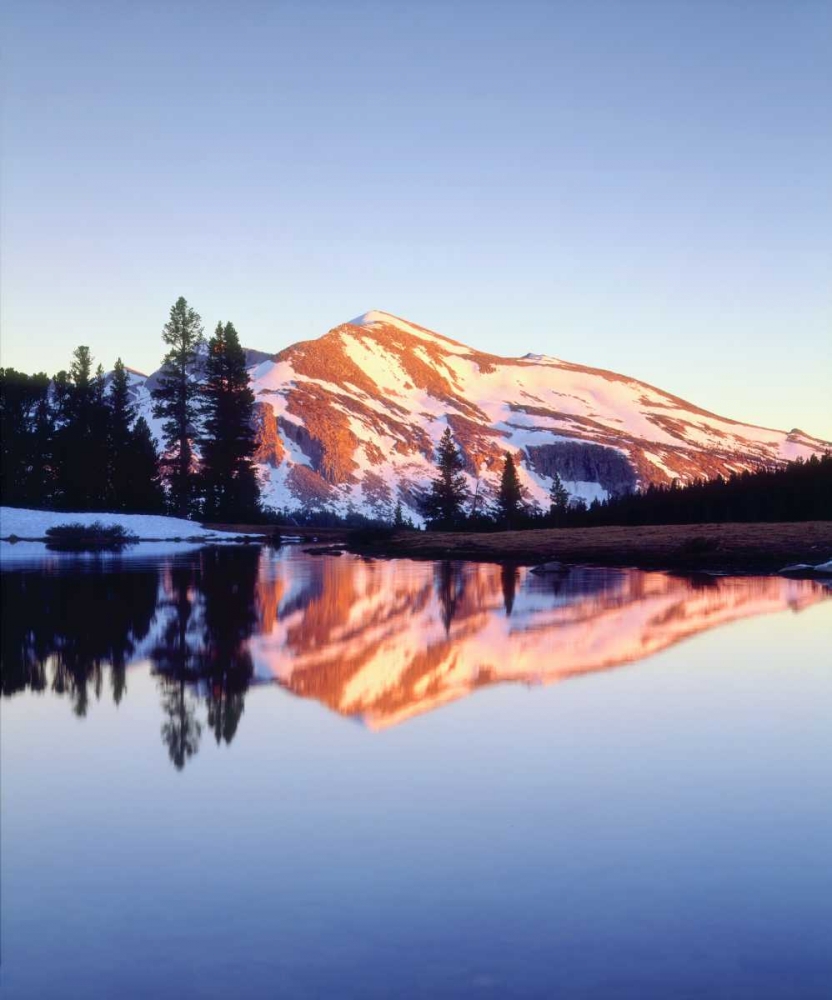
(642, 186)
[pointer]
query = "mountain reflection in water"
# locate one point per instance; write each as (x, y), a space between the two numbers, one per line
(378, 640)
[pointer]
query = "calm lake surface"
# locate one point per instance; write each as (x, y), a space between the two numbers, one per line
(252, 772)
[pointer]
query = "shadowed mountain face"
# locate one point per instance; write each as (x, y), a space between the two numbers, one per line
(380, 641)
(351, 420)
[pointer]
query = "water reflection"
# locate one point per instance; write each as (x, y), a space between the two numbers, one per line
(61, 631)
(207, 610)
(379, 640)
(386, 641)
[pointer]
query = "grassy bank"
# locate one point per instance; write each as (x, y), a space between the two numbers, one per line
(730, 547)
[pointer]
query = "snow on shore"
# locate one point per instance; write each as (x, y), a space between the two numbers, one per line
(26, 523)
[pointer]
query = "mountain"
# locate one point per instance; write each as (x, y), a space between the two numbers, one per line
(351, 421)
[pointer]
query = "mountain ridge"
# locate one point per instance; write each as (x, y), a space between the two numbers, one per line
(350, 421)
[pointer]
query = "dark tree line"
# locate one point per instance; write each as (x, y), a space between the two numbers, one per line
(798, 491)
(75, 442)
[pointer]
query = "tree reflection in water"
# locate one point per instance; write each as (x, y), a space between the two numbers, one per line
(65, 628)
(62, 630)
(381, 641)
(211, 612)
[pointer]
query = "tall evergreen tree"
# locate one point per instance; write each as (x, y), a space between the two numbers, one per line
(134, 480)
(230, 488)
(143, 483)
(448, 491)
(26, 428)
(99, 444)
(41, 478)
(121, 423)
(81, 440)
(558, 499)
(511, 493)
(176, 401)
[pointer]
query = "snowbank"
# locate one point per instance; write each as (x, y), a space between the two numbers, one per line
(34, 524)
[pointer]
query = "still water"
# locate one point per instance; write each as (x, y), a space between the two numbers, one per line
(252, 772)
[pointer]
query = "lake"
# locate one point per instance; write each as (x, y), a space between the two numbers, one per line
(242, 771)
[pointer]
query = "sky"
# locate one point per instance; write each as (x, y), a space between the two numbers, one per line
(640, 186)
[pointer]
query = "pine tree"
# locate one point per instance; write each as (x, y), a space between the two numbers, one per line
(398, 516)
(558, 499)
(229, 479)
(98, 445)
(41, 469)
(143, 484)
(175, 401)
(511, 493)
(448, 491)
(26, 428)
(81, 440)
(121, 421)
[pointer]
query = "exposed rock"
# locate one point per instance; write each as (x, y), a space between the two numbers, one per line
(377, 494)
(578, 461)
(307, 487)
(270, 450)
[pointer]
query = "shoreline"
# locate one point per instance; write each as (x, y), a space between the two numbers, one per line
(737, 548)
(732, 547)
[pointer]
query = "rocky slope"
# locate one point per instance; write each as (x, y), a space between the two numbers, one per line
(351, 420)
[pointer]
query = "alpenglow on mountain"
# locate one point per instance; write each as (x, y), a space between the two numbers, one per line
(350, 421)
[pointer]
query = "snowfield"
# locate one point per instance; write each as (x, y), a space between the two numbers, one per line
(25, 523)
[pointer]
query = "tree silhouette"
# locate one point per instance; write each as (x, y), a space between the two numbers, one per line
(448, 490)
(55, 634)
(558, 500)
(143, 485)
(229, 480)
(181, 730)
(120, 439)
(511, 493)
(228, 584)
(175, 401)
(225, 709)
(450, 587)
(81, 439)
(799, 491)
(211, 611)
(26, 431)
(508, 579)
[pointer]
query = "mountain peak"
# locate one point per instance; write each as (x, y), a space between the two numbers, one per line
(375, 319)
(372, 316)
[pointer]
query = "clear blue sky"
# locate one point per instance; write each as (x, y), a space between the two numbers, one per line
(643, 186)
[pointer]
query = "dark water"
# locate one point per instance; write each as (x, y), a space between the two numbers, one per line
(244, 772)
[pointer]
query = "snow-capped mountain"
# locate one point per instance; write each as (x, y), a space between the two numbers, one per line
(351, 421)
